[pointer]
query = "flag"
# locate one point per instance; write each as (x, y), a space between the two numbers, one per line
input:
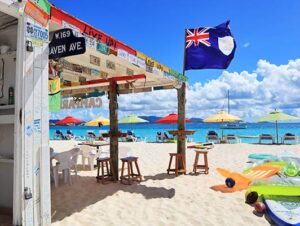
(209, 47)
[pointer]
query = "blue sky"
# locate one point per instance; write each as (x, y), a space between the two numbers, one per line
(264, 30)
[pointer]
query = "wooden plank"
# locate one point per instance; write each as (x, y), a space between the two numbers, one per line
(37, 138)
(19, 128)
(45, 155)
(28, 133)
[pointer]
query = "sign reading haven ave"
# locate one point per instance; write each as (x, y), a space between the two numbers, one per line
(64, 44)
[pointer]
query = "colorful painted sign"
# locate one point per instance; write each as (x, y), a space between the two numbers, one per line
(64, 44)
(107, 45)
(58, 16)
(36, 13)
(37, 32)
(102, 48)
(44, 4)
(95, 60)
(95, 102)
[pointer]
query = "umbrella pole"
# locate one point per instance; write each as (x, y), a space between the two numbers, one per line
(277, 131)
(222, 129)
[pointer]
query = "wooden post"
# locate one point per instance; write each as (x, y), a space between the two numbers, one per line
(181, 146)
(113, 117)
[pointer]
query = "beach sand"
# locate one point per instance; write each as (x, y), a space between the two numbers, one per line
(160, 199)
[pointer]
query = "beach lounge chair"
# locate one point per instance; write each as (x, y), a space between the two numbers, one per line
(59, 135)
(231, 137)
(91, 135)
(131, 136)
(212, 136)
(161, 137)
(289, 137)
(69, 135)
(66, 161)
(164, 138)
(266, 137)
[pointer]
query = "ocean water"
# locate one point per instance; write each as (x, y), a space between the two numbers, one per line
(148, 131)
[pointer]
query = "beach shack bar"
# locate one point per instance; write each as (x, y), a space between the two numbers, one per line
(24, 151)
(108, 66)
(30, 45)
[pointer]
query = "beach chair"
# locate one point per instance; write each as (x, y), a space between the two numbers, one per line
(131, 136)
(69, 135)
(88, 153)
(289, 137)
(212, 136)
(266, 137)
(91, 135)
(66, 161)
(163, 137)
(59, 135)
(231, 137)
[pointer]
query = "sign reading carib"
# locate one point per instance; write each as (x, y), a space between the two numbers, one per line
(64, 44)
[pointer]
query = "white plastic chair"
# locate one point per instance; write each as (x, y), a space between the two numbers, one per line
(88, 153)
(66, 161)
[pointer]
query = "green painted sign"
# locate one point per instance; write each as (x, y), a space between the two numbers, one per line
(103, 48)
(177, 75)
(44, 4)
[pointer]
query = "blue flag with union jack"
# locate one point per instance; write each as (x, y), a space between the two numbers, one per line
(209, 47)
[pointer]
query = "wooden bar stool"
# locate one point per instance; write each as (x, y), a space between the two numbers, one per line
(109, 175)
(204, 167)
(131, 176)
(179, 158)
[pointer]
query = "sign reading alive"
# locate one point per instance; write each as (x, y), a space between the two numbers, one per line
(64, 44)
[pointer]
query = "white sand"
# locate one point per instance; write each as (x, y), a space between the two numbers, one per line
(161, 199)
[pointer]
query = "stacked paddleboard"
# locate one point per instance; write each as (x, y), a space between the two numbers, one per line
(281, 193)
(283, 210)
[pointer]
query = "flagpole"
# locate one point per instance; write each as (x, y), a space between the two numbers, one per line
(181, 96)
(184, 53)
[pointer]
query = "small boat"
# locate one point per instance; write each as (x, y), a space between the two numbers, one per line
(234, 125)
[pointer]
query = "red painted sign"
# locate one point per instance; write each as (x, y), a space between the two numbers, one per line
(58, 16)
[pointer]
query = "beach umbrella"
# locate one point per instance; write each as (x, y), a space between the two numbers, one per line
(171, 118)
(276, 116)
(68, 120)
(221, 117)
(100, 120)
(131, 119)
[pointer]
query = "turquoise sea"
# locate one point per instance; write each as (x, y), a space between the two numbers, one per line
(148, 131)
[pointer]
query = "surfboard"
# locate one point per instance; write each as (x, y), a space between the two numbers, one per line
(261, 156)
(283, 210)
(282, 186)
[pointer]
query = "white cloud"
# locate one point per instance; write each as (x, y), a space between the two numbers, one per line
(252, 94)
(246, 44)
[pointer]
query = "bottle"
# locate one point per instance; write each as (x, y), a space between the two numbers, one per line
(11, 96)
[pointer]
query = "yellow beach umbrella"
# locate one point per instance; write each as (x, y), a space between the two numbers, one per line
(100, 120)
(222, 116)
